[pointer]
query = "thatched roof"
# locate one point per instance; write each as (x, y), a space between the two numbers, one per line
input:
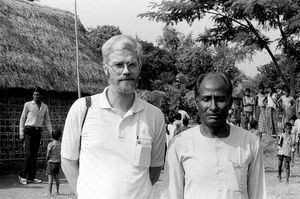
(37, 48)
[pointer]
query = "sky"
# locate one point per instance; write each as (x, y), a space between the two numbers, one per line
(123, 14)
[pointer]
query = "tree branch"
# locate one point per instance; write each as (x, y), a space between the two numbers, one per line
(223, 15)
(277, 67)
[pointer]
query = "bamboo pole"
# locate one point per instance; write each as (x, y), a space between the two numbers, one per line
(77, 54)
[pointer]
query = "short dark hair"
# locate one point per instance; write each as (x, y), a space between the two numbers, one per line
(56, 134)
(227, 81)
(287, 90)
(39, 90)
(177, 116)
(185, 121)
(253, 124)
(247, 89)
(287, 124)
(170, 118)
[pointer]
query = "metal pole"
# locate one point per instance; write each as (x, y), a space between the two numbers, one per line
(77, 54)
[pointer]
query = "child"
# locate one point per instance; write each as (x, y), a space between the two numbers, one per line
(232, 117)
(53, 161)
(244, 121)
(285, 149)
(254, 130)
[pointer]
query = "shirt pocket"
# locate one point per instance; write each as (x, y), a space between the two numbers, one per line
(240, 175)
(142, 152)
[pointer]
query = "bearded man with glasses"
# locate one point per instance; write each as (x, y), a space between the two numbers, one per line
(121, 143)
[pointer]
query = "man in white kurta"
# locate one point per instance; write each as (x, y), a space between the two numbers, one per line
(214, 160)
(201, 167)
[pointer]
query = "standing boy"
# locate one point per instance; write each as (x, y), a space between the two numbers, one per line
(53, 161)
(285, 143)
(248, 103)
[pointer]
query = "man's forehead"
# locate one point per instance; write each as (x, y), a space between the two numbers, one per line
(118, 54)
(213, 84)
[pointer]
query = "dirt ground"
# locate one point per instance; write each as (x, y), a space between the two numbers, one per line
(11, 189)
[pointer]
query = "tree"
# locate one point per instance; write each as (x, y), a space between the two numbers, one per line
(191, 63)
(170, 40)
(157, 67)
(225, 59)
(99, 35)
(242, 23)
(268, 75)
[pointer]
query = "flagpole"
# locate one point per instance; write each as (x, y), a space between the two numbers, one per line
(77, 54)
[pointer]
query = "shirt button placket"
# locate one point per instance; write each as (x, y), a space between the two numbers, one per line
(120, 129)
(219, 167)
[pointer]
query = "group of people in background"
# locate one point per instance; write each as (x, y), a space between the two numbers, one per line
(275, 113)
(176, 122)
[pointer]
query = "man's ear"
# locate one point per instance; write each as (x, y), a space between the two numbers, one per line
(197, 102)
(105, 69)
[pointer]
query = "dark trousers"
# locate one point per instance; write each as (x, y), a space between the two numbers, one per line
(32, 143)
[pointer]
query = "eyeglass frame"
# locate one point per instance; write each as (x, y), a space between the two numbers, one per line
(123, 66)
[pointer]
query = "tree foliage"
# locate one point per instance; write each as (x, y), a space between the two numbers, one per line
(170, 40)
(157, 67)
(241, 22)
(268, 75)
(191, 63)
(99, 35)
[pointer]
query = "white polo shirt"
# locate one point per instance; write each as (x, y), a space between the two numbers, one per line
(116, 152)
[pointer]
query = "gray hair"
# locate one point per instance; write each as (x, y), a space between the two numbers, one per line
(121, 42)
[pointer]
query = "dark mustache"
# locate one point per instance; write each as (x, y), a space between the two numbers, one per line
(126, 79)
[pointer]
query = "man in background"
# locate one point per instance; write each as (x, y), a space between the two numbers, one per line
(34, 115)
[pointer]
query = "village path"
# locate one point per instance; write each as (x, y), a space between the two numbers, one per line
(11, 189)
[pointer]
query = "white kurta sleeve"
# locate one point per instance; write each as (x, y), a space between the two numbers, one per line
(174, 174)
(256, 174)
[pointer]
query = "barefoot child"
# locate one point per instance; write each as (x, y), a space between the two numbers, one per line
(53, 161)
(285, 150)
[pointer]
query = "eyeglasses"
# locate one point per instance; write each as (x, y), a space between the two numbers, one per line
(119, 67)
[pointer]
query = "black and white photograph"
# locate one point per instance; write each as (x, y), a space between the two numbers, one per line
(149, 99)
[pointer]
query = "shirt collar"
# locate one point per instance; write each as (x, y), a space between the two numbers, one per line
(33, 102)
(136, 106)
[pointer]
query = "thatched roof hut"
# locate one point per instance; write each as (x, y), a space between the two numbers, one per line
(37, 48)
